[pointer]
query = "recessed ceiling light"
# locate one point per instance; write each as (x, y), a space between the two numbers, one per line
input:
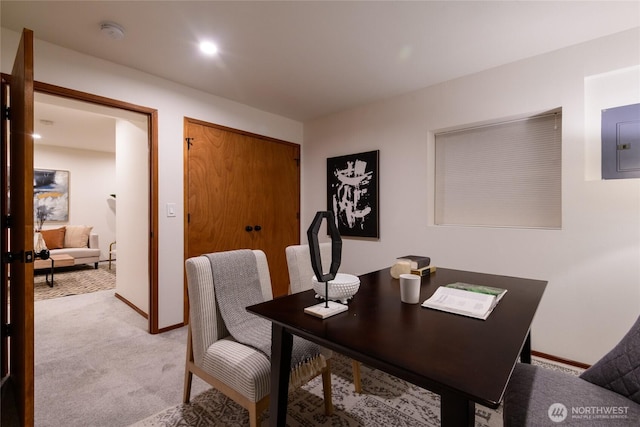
(209, 48)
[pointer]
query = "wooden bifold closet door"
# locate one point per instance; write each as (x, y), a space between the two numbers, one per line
(242, 192)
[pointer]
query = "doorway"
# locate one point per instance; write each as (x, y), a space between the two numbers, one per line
(19, 380)
(127, 121)
(95, 149)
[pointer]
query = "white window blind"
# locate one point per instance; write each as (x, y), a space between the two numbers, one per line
(501, 175)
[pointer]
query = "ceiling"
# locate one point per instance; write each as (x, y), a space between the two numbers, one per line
(69, 123)
(308, 59)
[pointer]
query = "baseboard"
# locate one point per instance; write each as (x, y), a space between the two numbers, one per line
(145, 315)
(132, 305)
(560, 359)
(170, 328)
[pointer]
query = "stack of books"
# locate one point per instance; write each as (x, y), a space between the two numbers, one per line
(424, 271)
(419, 264)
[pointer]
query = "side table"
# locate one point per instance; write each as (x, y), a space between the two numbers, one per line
(62, 260)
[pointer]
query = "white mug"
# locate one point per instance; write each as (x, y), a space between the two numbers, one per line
(410, 288)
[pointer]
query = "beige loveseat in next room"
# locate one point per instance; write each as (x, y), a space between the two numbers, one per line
(74, 240)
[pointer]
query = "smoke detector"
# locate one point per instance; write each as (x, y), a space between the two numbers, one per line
(112, 30)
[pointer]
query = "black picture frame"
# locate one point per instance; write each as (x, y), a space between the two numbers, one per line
(352, 193)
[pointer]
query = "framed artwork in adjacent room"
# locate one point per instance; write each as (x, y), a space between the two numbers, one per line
(352, 193)
(50, 195)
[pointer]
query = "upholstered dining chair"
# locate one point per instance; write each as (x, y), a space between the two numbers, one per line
(239, 371)
(609, 391)
(300, 279)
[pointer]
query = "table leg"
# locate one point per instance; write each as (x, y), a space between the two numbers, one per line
(525, 354)
(53, 265)
(46, 275)
(281, 345)
(456, 411)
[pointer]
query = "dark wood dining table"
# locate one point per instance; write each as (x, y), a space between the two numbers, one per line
(465, 360)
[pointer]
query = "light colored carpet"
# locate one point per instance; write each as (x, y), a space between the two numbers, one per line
(96, 365)
(76, 280)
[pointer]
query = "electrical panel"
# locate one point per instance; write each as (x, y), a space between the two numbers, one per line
(621, 142)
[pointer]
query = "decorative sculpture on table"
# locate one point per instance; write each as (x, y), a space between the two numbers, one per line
(329, 308)
(314, 249)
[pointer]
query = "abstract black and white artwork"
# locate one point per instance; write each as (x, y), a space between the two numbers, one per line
(352, 193)
(50, 195)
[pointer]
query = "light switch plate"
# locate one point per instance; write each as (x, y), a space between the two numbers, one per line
(171, 210)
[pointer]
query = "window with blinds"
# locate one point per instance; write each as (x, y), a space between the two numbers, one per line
(505, 174)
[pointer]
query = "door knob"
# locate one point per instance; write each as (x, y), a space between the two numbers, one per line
(257, 228)
(248, 228)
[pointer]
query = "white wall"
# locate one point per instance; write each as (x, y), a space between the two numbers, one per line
(91, 181)
(66, 68)
(132, 218)
(592, 264)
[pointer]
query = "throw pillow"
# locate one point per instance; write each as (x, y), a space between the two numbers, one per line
(77, 236)
(54, 238)
(619, 370)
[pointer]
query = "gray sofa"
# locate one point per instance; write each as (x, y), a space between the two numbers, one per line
(606, 394)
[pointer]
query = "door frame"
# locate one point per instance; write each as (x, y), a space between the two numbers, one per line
(152, 115)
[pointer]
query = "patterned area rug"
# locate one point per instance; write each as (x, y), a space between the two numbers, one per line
(385, 401)
(80, 279)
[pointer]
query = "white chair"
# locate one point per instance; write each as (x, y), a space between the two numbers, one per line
(300, 278)
(239, 371)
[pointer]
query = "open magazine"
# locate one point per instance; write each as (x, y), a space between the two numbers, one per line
(470, 300)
